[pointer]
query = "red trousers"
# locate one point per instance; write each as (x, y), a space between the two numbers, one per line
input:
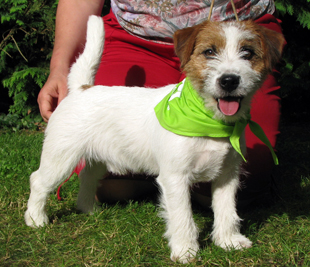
(132, 61)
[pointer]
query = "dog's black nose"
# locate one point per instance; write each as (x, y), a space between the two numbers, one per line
(229, 82)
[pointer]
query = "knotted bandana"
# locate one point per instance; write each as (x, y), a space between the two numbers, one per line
(183, 112)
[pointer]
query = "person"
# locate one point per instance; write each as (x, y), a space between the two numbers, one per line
(139, 52)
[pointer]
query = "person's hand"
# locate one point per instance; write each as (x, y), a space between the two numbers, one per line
(70, 32)
(52, 93)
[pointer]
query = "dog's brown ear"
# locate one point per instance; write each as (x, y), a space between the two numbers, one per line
(274, 44)
(184, 42)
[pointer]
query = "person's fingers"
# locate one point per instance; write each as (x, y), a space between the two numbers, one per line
(51, 94)
(47, 104)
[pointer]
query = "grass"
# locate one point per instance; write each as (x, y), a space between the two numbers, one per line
(130, 234)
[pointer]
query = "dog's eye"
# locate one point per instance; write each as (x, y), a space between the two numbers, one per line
(209, 53)
(247, 53)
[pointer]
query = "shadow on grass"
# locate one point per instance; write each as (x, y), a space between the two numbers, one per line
(67, 206)
(292, 177)
(290, 192)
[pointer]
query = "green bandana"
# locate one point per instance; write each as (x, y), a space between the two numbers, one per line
(183, 112)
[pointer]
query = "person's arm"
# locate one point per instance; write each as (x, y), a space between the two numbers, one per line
(70, 33)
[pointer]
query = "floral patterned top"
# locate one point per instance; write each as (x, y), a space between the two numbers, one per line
(159, 19)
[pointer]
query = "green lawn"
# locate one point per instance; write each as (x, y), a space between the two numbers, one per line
(130, 234)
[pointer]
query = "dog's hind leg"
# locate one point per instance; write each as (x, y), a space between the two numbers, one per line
(226, 228)
(89, 178)
(181, 229)
(57, 162)
(35, 214)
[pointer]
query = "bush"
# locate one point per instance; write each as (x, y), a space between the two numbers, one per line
(295, 82)
(27, 31)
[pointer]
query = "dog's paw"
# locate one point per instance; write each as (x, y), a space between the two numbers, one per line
(182, 255)
(236, 241)
(36, 220)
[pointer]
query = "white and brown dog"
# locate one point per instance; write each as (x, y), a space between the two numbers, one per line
(115, 129)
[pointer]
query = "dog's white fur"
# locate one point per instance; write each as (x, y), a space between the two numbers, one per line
(115, 129)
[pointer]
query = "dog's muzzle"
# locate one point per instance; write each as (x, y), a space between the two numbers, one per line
(229, 105)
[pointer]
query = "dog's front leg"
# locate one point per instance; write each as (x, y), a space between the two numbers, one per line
(181, 229)
(226, 228)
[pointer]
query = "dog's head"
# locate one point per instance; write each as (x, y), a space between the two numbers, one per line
(227, 62)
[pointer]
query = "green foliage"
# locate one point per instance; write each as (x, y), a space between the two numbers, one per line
(295, 82)
(300, 9)
(27, 30)
(14, 122)
(18, 84)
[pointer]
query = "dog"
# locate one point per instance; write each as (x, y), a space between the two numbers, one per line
(115, 129)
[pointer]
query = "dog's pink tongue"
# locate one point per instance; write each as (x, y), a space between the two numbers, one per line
(228, 106)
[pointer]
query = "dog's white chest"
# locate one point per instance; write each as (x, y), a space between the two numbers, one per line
(210, 161)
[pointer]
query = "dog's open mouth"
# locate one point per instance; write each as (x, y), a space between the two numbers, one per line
(229, 106)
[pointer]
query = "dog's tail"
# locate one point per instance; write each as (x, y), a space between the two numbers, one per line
(83, 71)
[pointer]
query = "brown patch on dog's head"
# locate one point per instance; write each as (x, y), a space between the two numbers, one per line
(184, 42)
(193, 43)
(272, 46)
(268, 46)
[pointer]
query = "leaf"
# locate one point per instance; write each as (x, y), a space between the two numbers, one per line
(304, 19)
(284, 8)
(20, 23)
